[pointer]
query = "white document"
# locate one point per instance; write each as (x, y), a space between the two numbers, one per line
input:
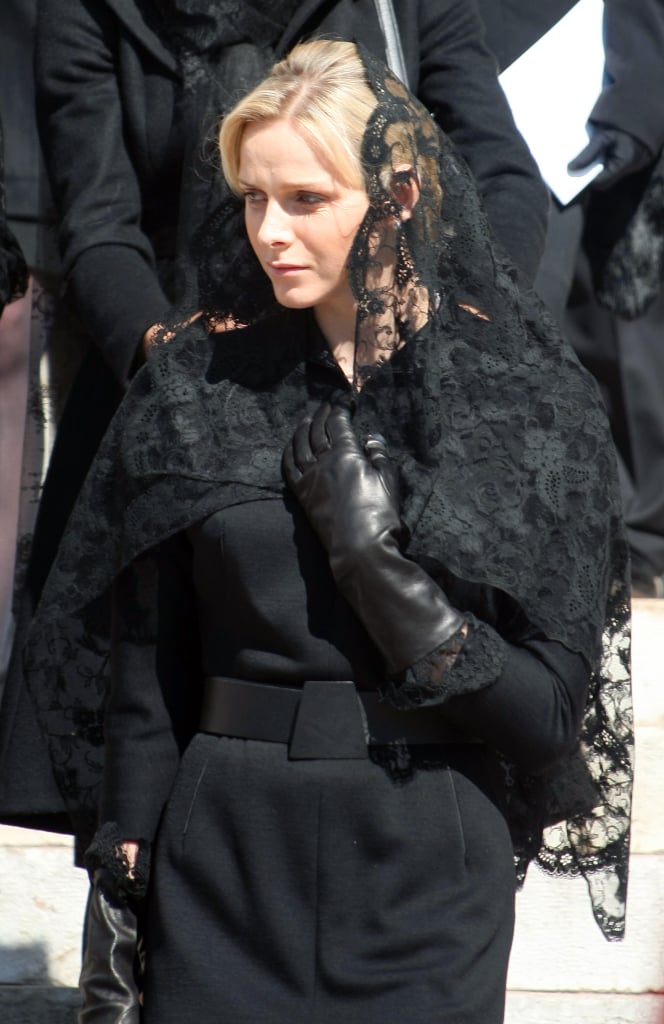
(552, 88)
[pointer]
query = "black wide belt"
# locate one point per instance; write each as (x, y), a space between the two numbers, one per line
(321, 719)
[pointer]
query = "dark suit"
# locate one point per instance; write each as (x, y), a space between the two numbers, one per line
(626, 356)
(633, 44)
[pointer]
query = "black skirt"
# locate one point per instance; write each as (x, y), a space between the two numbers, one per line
(329, 891)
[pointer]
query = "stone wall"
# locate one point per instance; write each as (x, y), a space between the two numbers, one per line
(562, 970)
(42, 901)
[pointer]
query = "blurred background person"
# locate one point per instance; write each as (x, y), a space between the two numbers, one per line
(38, 358)
(603, 264)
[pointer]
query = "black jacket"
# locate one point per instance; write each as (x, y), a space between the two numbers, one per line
(28, 200)
(251, 592)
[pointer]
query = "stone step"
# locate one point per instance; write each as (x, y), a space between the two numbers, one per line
(38, 1004)
(648, 661)
(42, 902)
(583, 1008)
(32, 1004)
(559, 948)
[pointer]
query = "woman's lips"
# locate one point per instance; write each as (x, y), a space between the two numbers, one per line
(281, 269)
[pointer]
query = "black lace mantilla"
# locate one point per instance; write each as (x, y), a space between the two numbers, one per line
(505, 460)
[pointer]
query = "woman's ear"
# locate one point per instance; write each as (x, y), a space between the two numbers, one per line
(405, 189)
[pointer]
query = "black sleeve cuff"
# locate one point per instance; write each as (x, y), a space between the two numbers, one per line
(464, 664)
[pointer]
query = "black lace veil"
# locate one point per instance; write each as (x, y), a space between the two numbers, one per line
(505, 460)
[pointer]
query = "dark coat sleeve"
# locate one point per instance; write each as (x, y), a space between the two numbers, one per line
(455, 76)
(510, 685)
(531, 712)
(154, 702)
(633, 96)
(109, 261)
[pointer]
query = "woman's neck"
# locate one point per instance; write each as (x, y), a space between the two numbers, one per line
(339, 333)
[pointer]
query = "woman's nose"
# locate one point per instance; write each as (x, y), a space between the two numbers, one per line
(275, 228)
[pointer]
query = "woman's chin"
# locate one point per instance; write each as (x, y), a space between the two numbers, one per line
(291, 300)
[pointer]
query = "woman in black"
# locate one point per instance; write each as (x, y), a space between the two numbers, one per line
(369, 587)
(129, 93)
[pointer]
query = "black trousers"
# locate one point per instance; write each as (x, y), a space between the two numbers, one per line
(315, 892)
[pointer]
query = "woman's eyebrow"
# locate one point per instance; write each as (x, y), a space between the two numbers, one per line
(312, 186)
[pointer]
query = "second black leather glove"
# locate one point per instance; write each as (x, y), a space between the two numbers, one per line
(349, 496)
(619, 152)
(108, 986)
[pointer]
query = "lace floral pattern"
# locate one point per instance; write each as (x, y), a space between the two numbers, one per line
(594, 844)
(505, 462)
(467, 662)
(127, 882)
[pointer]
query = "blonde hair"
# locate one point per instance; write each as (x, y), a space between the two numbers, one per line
(320, 87)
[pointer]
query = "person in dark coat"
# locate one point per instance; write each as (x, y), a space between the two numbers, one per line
(20, 181)
(614, 315)
(602, 267)
(122, 141)
(38, 357)
(367, 568)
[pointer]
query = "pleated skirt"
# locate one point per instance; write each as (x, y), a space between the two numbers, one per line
(313, 892)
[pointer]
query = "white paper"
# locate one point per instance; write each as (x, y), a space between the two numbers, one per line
(552, 88)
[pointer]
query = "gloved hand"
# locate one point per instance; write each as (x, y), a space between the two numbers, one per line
(108, 984)
(349, 497)
(620, 152)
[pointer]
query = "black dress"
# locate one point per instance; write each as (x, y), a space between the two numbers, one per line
(316, 890)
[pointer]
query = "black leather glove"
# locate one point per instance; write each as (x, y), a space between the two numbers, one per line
(108, 982)
(620, 152)
(349, 497)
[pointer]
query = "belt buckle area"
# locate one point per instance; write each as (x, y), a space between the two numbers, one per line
(329, 723)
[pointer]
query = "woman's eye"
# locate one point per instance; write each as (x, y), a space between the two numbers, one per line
(251, 198)
(309, 198)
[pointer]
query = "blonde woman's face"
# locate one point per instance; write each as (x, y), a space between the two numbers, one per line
(300, 218)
